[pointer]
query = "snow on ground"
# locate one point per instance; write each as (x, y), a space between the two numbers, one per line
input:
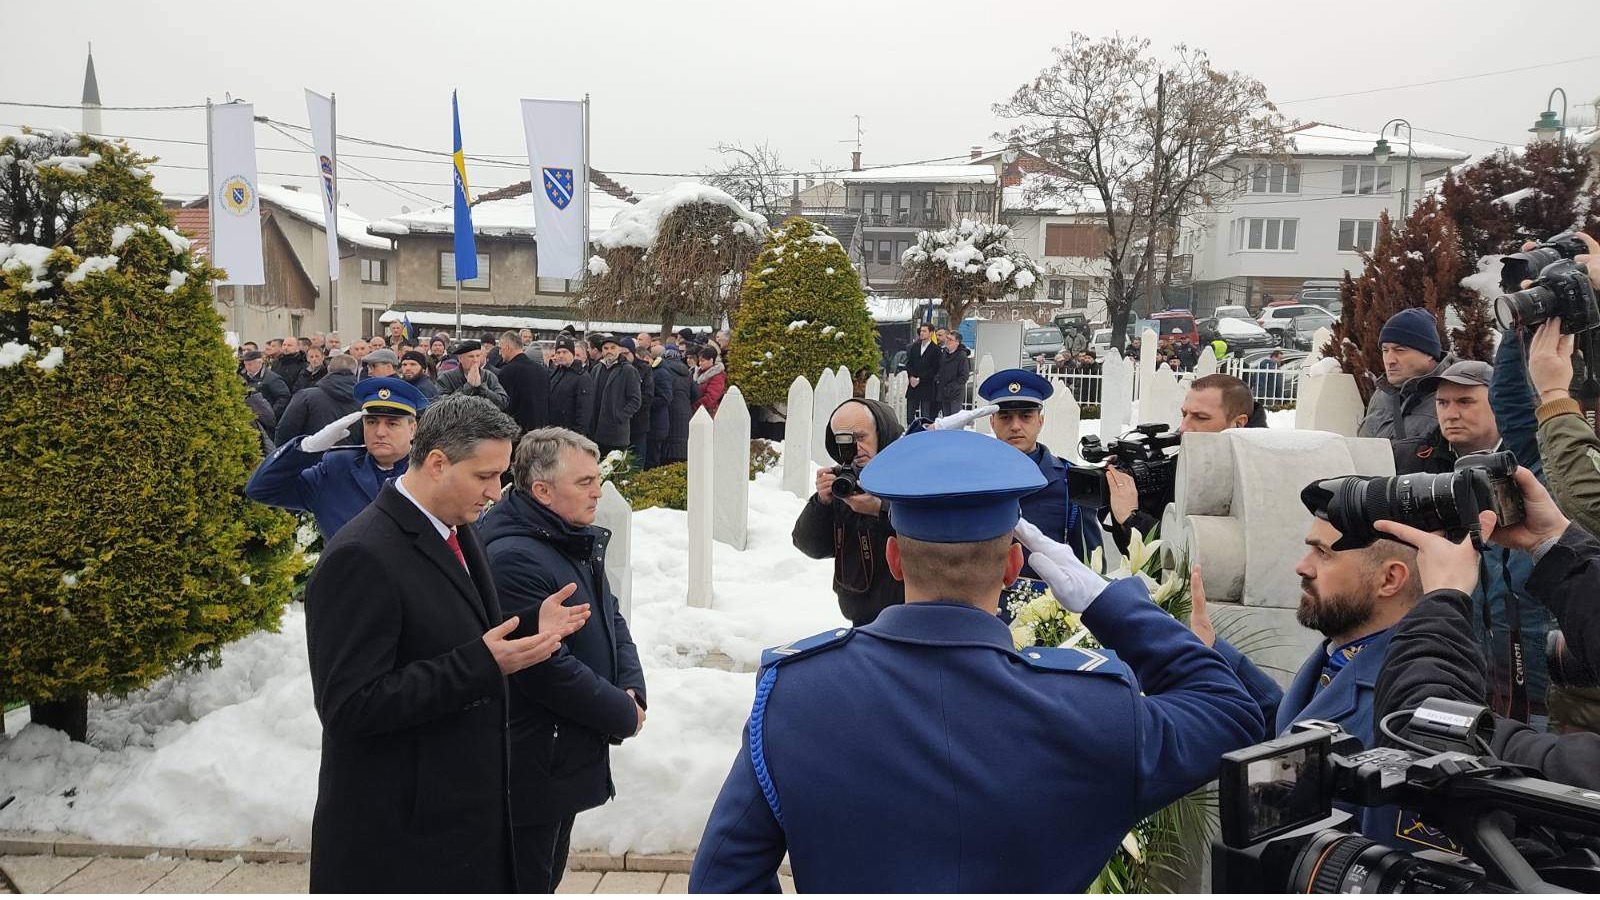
(229, 755)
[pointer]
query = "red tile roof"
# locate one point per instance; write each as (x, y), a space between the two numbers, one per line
(194, 223)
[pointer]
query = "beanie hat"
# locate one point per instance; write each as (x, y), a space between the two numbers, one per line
(415, 357)
(1415, 328)
(626, 344)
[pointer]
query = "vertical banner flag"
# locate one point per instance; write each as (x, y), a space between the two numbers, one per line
(235, 206)
(466, 242)
(559, 167)
(320, 109)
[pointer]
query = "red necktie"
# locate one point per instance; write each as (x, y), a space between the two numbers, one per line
(455, 547)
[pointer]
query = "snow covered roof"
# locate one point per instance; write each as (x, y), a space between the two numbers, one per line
(543, 323)
(307, 206)
(1317, 139)
(637, 224)
(1037, 194)
(507, 217)
(943, 174)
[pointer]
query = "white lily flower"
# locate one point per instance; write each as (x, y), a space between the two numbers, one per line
(1130, 843)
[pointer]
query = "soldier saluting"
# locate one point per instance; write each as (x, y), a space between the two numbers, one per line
(923, 753)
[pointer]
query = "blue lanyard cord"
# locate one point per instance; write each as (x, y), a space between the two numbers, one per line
(758, 748)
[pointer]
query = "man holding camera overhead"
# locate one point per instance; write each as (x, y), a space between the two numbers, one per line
(842, 521)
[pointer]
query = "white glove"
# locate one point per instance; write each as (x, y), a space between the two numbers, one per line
(959, 420)
(1074, 584)
(331, 434)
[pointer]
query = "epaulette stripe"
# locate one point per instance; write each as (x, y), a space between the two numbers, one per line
(1095, 661)
(758, 752)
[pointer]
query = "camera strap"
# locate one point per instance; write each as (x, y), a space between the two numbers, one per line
(1509, 699)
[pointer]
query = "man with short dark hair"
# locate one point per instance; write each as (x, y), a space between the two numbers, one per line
(566, 713)
(472, 378)
(526, 383)
(253, 369)
(1402, 407)
(922, 375)
(414, 369)
(955, 368)
(409, 656)
(571, 390)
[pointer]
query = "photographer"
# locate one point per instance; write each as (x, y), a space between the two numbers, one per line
(853, 529)
(1213, 404)
(1432, 652)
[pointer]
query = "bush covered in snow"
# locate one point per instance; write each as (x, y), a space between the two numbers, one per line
(803, 311)
(966, 265)
(126, 546)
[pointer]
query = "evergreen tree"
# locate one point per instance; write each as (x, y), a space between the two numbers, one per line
(803, 311)
(126, 545)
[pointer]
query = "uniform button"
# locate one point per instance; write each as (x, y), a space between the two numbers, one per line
(1034, 656)
(839, 633)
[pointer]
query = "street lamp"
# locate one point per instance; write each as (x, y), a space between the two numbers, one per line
(1381, 153)
(1550, 127)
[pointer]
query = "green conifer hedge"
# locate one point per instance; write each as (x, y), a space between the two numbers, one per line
(802, 311)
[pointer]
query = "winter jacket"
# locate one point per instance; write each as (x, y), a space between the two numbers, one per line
(710, 385)
(527, 386)
(616, 399)
(1513, 401)
(427, 386)
(455, 382)
(1571, 451)
(954, 370)
(670, 411)
(1432, 654)
(271, 386)
(331, 399)
(571, 396)
(289, 366)
(566, 711)
(857, 543)
(308, 377)
(639, 428)
(1404, 412)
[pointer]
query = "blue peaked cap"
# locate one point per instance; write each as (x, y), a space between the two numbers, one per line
(1013, 388)
(389, 396)
(952, 487)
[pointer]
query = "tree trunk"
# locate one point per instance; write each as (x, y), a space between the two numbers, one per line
(70, 715)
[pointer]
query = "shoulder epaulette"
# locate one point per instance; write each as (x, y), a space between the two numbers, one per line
(1075, 659)
(805, 646)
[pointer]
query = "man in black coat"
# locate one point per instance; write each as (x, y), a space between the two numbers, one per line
(292, 361)
(639, 428)
(329, 400)
(253, 369)
(526, 383)
(571, 389)
(409, 657)
(566, 713)
(671, 407)
(922, 375)
(616, 398)
(955, 367)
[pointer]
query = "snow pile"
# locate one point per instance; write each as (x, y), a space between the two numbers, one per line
(12, 352)
(77, 165)
(598, 267)
(1328, 365)
(1486, 281)
(51, 359)
(1239, 328)
(640, 224)
(34, 258)
(175, 280)
(91, 265)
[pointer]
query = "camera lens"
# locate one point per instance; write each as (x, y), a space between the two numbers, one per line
(1519, 267)
(1337, 863)
(1353, 503)
(1528, 309)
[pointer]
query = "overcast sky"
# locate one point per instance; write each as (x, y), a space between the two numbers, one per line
(670, 79)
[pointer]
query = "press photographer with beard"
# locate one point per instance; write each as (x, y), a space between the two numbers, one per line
(1433, 653)
(853, 529)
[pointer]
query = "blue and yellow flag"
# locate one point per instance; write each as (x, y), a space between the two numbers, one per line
(466, 241)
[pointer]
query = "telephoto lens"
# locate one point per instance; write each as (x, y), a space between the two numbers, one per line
(1353, 503)
(1515, 268)
(1336, 862)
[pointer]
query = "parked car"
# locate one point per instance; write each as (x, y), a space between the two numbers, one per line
(1176, 325)
(1233, 312)
(1040, 343)
(1100, 342)
(1323, 292)
(1243, 334)
(1289, 322)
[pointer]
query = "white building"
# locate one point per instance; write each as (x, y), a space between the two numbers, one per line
(1307, 216)
(1066, 237)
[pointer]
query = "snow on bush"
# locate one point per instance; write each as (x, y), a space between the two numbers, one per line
(91, 265)
(639, 225)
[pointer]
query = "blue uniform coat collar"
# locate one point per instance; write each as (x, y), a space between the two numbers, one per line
(371, 478)
(1336, 702)
(941, 622)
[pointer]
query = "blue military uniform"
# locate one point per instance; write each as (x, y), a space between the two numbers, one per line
(923, 753)
(336, 485)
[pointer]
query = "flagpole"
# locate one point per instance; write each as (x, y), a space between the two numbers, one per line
(583, 271)
(333, 216)
(458, 309)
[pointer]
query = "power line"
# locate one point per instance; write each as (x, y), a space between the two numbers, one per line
(1401, 87)
(80, 106)
(396, 189)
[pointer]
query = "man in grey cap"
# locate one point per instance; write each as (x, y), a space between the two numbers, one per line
(1466, 423)
(382, 363)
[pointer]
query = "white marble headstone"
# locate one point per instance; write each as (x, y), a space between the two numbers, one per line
(797, 430)
(822, 406)
(730, 502)
(701, 499)
(615, 515)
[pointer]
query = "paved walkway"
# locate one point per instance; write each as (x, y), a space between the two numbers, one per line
(160, 875)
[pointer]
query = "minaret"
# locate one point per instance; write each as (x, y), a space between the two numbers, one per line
(91, 97)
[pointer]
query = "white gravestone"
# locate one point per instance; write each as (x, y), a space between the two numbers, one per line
(797, 430)
(1329, 402)
(1160, 397)
(613, 514)
(846, 385)
(700, 501)
(1147, 364)
(1207, 363)
(874, 388)
(730, 501)
(1060, 429)
(1116, 395)
(985, 369)
(822, 406)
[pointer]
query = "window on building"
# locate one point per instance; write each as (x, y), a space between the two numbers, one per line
(903, 213)
(1357, 234)
(884, 249)
(1074, 240)
(1364, 179)
(985, 202)
(1080, 293)
(374, 271)
(928, 214)
(1266, 234)
(1275, 178)
(869, 202)
(900, 248)
(963, 201)
(557, 286)
(1058, 289)
(372, 320)
(447, 272)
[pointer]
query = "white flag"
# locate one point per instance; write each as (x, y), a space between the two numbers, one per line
(559, 173)
(235, 204)
(320, 109)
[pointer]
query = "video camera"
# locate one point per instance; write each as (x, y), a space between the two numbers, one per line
(1458, 810)
(1448, 502)
(1141, 454)
(1560, 287)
